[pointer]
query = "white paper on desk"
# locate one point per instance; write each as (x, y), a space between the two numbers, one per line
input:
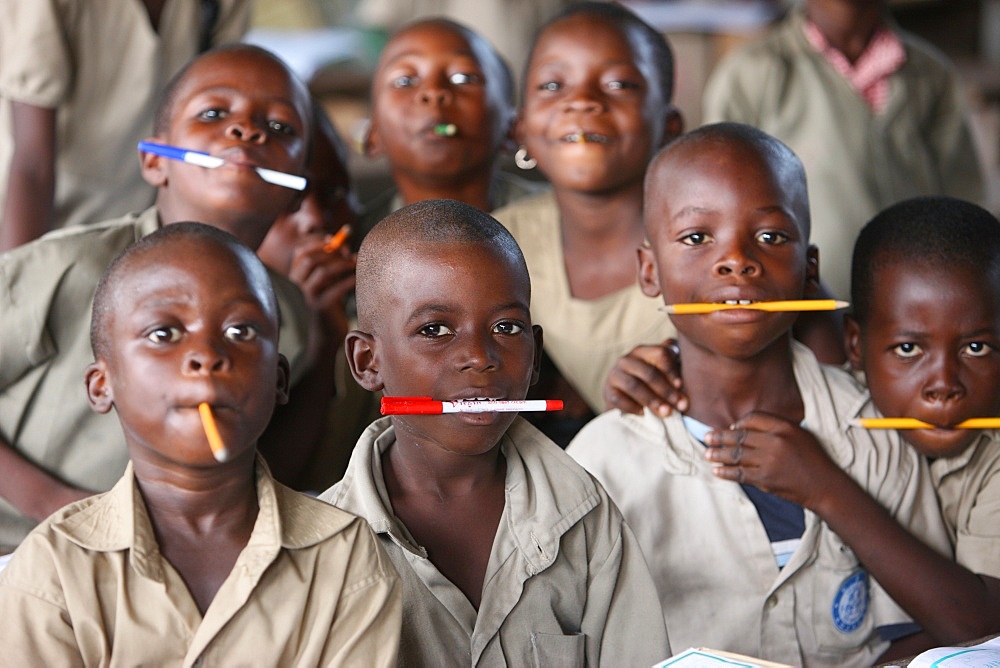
(978, 656)
(702, 658)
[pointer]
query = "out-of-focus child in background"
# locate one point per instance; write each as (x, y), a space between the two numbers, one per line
(79, 82)
(442, 110)
(596, 108)
(875, 113)
(296, 245)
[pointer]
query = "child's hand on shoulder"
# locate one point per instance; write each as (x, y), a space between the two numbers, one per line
(326, 279)
(648, 376)
(773, 454)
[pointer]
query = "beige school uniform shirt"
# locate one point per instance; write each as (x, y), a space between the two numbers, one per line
(46, 295)
(857, 161)
(968, 488)
(584, 337)
(566, 584)
(716, 574)
(89, 587)
(102, 66)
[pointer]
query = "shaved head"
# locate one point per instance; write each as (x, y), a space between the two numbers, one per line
(434, 222)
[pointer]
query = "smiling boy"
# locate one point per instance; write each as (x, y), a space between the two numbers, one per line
(510, 554)
(738, 566)
(197, 560)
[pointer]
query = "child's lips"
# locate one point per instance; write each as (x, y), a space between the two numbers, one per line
(584, 137)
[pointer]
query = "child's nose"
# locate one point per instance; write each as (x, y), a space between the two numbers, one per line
(246, 129)
(584, 98)
(943, 384)
(434, 93)
(478, 353)
(205, 358)
(738, 261)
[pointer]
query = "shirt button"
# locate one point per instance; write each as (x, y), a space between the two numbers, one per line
(772, 601)
(197, 662)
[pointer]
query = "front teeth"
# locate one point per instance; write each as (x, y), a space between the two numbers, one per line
(737, 302)
(584, 138)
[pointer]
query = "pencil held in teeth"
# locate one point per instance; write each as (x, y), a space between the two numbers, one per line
(212, 433)
(428, 406)
(776, 306)
(445, 129)
(207, 161)
(913, 423)
(338, 239)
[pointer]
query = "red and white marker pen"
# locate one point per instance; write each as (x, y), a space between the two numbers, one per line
(428, 406)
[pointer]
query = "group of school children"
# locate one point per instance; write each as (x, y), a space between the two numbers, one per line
(723, 485)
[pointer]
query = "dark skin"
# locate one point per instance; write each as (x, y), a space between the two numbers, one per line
(463, 330)
(233, 103)
(730, 217)
(31, 185)
(847, 24)
(765, 447)
(430, 74)
(586, 78)
(192, 324)
(294, 247)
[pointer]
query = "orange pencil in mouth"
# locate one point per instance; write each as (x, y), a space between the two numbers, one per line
(338, 239)
(212, 433)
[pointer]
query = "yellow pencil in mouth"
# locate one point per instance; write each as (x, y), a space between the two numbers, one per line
(775, 306)
(212, 433)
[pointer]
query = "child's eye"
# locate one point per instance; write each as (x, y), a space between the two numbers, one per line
(403, 81)
(622, 85)
(508, 327)
(164, 335)
(212, 114)
(978, 349)
(907, 350)
(280, 128)
(694, 239)
(550, 86)
(241, 333)
(772, 238)
(435, 330)
(459, 78)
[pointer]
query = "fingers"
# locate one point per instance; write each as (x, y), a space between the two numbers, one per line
(648, 376)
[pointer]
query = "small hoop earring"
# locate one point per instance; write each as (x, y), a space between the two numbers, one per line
(523, 161)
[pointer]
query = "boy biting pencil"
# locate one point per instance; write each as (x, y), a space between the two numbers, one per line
(201, 556)
(510, 554)
(725, 499)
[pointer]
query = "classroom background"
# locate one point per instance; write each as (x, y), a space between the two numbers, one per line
(334, 44)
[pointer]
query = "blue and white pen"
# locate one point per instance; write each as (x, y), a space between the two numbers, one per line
(211, 162)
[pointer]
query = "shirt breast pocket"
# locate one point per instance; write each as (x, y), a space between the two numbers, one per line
(842, 617)
(550, 649)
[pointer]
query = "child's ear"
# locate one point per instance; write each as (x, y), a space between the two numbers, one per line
(284, 374)
(812, 287)
(536, 363)
(362, 358)
(673, 125)
(852, 342)
(99, 392)
(370, 141)
(649, 278)
(153, 166)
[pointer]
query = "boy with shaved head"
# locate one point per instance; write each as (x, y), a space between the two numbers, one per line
(510, 553)
(195, 557)
(722, 499)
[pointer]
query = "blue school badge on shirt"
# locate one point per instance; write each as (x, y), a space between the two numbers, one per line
(850, 605)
